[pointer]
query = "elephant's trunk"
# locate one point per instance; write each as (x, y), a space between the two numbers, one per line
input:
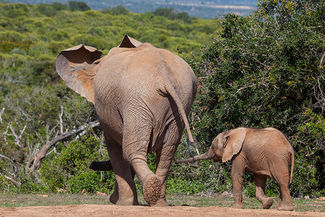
(207, 155)
(101, 166)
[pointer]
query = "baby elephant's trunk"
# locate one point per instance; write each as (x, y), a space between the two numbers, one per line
(207, 155)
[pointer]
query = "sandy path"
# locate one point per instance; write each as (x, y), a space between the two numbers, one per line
(87, 210)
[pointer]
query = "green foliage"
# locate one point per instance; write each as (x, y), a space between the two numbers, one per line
(70, 171)
(267, 70)
(170, 13)
(78, 6)
(118, 10)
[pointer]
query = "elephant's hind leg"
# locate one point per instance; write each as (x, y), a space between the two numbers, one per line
(124, 190)
(165, 156)
(260, 181)
(136, 138)
(281, 176)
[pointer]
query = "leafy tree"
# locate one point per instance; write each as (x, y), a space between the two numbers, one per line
(268, 70)
(172, 14)
(78, 6)
(118, 10)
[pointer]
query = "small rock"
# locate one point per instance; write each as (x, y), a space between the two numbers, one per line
(100, 193)
(306, 197)
(84, 191)
(61, 190)
(226, 194)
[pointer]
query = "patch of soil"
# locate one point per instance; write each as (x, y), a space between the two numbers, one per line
(87, 210)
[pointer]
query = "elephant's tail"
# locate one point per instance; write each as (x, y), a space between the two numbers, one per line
(292, 162)
(171, 91)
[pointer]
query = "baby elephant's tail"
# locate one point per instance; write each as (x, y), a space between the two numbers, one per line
(292, 163)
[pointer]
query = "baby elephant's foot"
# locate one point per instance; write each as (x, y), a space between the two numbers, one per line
(267, 203)
(285, 206)
(152, 189)
(238, 206)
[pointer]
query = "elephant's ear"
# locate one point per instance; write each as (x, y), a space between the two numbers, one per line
(233, 143)
(129, 42)
(76, 66)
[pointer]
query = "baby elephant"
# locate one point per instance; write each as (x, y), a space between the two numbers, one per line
(265, 152)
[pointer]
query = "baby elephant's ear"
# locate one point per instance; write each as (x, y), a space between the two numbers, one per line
(76, 66)
(234, 143)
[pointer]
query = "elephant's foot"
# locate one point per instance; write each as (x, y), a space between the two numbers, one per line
(238, 206)
(267, 203)
(152, 189)
(285, 206)
(127, 202)
(161, 202)
(114, 199)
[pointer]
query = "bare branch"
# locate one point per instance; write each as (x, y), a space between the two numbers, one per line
(35, 162)
(10, 179)
(1, 113)
(322, 59)
(61, 121)
(5, 157)
(17, 138)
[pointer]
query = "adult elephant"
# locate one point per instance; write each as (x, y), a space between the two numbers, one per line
(142, 95)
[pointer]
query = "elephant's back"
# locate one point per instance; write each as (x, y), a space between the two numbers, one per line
(138, 72)
(266, 149)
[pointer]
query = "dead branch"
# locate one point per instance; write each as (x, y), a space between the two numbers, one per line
(322, 59)
(1, 113)
(35, 162)
(17, 137)
(61, 120)
(6, 158)
(10, 179)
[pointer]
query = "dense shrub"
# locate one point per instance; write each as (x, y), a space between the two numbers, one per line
(173, 15)
(119, 10)
(268, 70)
(69, 170)
(78, 6)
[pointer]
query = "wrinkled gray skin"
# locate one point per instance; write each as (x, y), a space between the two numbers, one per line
(265, 152)
(142, 95)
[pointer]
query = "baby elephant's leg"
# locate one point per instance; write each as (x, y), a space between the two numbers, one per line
(260, 182)
(237, 173)
(281, 176)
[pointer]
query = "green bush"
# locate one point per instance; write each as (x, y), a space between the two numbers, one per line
(70, 171)
(266, 71)
(118, 10)
(78, 6)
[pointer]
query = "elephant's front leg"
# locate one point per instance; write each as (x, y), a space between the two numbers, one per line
(124, 190)
(237, 174)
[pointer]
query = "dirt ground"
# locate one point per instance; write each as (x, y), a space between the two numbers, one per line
(87, 210)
